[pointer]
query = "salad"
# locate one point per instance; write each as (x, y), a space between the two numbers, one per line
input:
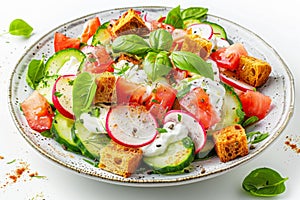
(143, 93)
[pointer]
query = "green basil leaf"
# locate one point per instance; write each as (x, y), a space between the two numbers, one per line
(193, 13)
(174, 18)
(157, 65)
(35, 72)
(84, 89)
(132, 44)
(19, 27)
(193, 63)
(256, 137)
(161, 40)
(264, 182)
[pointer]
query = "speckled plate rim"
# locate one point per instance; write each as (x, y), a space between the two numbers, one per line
(180, 180)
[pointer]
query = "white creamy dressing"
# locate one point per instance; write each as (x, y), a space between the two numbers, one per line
(70, 67)
(218, 42)
(175, 132)
(95, 124)
(133, 73)
(215, 90)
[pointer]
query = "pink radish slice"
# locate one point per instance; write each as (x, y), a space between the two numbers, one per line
(196, 131)
(203, 30)
(131, 126)
(62, 95)
(237, 84)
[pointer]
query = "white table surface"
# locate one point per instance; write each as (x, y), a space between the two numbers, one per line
(277, 22)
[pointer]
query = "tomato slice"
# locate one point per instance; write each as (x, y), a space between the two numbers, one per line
(229, 57)
(61, 42)
(90, 29)
(255, 103)
(197, 103)
(129, 92)
(98, 59)
(38, 112)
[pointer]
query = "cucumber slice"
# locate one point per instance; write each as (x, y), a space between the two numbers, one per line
(207, 151)
(45, 87)
(89, 143)
(218, 30)
(102, 35)
(61, 129)
(178, 155)
(232, 112)
(58, 59)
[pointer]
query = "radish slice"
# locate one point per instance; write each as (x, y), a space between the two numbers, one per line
(235, 83)
(62, 95)
(131, 126)
(203, 30)
(196, 131)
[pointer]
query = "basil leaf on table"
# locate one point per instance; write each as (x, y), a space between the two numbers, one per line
(157, 65)
(174, 18)
(161, 40)
(193, 13)
(264, 182)
(131, 43)
(84, 90)
(191, 62)
(19, 27)
(35, 72)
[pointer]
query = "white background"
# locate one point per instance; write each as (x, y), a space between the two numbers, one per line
(277, 22)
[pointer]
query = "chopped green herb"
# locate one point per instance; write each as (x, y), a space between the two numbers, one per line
(10, 162)
(256, 137)
(162, 130)
(179, 117)
(249, 121)
(58, 94)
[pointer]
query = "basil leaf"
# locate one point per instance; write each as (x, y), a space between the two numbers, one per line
(264, 182)
(35, 72)
(174, 18)
(132, 44)
(256, 137)
(157, 65)
(161, 40)
(19, 27)
(193, 12)
(84, 89)
(193, 63)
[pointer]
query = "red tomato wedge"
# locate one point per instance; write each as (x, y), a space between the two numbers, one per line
(61, 42)
(38, 112)
(129, 92)
(255, 103)
(90, 29)
(98, 59)
(229, 57)
(197, 103)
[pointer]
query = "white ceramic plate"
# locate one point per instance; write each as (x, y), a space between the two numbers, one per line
(280, 87)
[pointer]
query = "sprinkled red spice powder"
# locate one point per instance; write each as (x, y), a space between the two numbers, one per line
(292, 144)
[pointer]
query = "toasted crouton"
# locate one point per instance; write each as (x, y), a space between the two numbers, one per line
(130, 23)
(195, 44)
(119, 159)
(253, 71)
(230, 142)
(130, 58)
(106, 92)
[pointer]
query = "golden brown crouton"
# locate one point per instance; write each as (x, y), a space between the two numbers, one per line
(119, 159)
(106, 84)
(195, 44)
(230, 142)
(130, 23)
(130, 58)
(253, 71)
